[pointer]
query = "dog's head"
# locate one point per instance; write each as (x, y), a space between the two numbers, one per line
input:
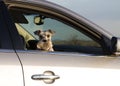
(44, 36)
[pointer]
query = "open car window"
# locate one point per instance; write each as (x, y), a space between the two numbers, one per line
(67, 38)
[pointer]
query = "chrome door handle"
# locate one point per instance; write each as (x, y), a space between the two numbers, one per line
(44, 77)
(48, 77)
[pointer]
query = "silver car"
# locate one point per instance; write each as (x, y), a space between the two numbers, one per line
(84, 53)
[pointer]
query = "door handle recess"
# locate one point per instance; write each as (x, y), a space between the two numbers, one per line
(48, 77)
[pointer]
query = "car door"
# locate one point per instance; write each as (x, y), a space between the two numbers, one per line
(81, 51)
(56, 69)
(10, 67)
(72, 63)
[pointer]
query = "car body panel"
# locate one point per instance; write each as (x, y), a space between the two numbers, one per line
(79, 69)
(10, 69)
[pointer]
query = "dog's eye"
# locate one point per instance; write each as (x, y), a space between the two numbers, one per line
(48, 36)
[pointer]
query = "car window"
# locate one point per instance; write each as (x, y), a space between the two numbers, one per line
(66, 38)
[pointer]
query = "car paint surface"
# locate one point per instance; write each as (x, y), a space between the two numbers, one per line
(10, 69)
(72, 69)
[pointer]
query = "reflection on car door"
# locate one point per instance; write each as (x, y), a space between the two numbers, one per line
(70, 69)
(10, 69)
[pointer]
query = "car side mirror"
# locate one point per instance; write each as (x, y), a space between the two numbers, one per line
(115, 45)
(39, 20)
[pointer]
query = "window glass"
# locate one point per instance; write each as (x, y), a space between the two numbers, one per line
(66, 38)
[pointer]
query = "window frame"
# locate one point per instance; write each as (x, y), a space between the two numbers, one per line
(101, 37)
(63, 46)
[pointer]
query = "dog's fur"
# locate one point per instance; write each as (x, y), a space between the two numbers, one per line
(45, 42)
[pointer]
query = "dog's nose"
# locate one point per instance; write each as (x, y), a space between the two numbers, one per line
(44, 40)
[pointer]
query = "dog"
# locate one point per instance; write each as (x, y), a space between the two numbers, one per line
(45, 42)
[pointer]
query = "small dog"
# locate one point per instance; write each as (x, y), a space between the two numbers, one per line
(45, 42)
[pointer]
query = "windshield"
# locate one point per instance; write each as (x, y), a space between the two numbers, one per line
(104, 13)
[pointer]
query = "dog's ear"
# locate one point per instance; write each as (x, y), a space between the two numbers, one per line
(51, 31)
(37, 32)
